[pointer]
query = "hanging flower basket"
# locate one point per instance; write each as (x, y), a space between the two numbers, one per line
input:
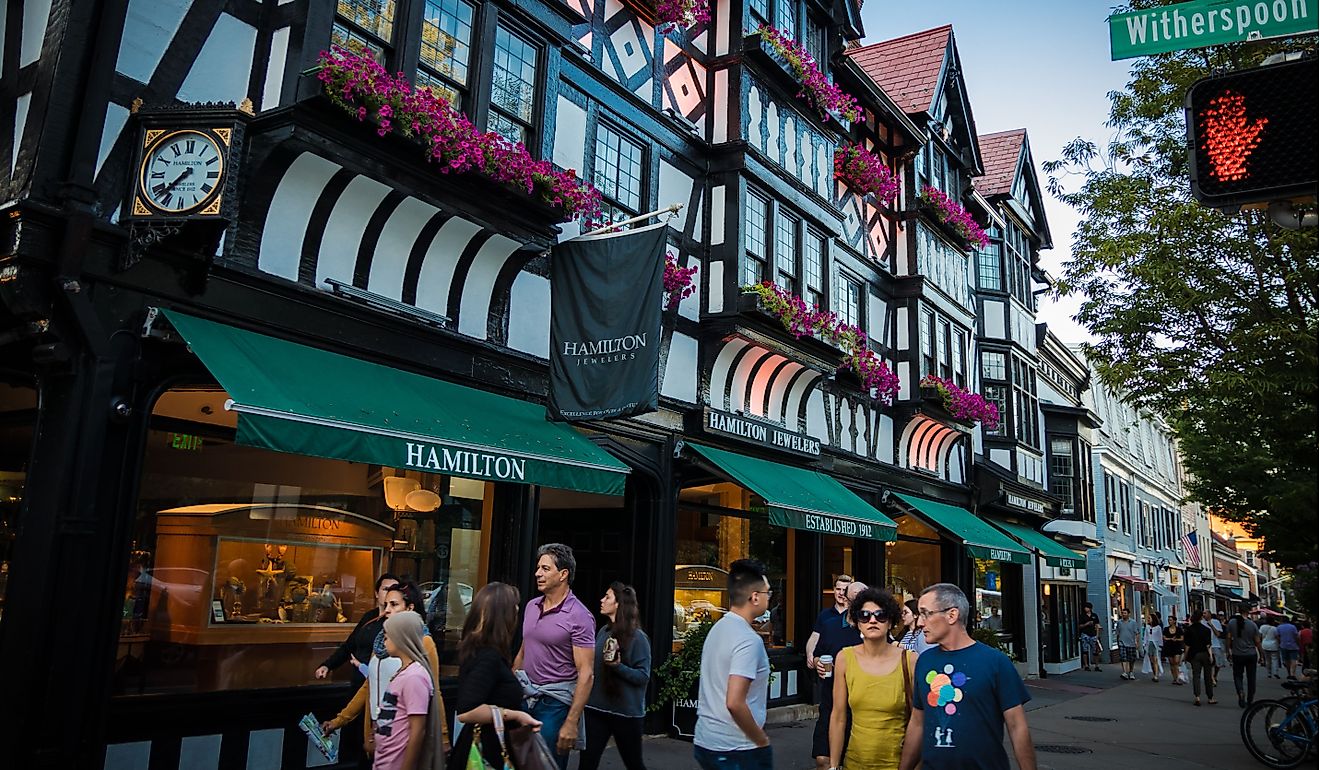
(815, 89)
(951, 213)
(802, 320)
(678, 281)
(681, 14)
(962, 404)
(864, 173)
(362, 87)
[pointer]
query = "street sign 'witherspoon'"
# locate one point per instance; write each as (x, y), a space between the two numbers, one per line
(1207, 22)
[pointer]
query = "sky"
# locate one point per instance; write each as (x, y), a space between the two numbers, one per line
(1042, 65)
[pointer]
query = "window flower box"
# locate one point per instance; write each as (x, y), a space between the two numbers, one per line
(678, 281)
(957, 220)
(814, 87)
(962, 404)
(864, 173)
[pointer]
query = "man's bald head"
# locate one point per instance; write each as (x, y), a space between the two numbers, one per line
(855, 588)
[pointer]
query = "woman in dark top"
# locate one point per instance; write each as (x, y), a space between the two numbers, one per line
(1197, 637)
(485, 676)
(617, 703)
(358, 645)
(1173, 648)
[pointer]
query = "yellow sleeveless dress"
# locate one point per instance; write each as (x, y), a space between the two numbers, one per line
(878, 711)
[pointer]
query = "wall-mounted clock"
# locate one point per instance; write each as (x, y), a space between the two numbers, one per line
(182, 173)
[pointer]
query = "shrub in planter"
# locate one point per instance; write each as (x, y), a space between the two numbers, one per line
(951, 213)
(864, 173)
(963, 404)
(681, 14)
(817, 90)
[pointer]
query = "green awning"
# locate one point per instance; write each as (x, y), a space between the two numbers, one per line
(979, 538)
(800, 498)
(301, 400)
(1054, 553)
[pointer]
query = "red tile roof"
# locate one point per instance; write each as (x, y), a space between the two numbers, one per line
(999, 158)
(907, 68)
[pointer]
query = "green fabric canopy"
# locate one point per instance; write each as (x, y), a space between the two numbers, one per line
(1056, 554)
(301, 400)
(800, 498)
(979, 538)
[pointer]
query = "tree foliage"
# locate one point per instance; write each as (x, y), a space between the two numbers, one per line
(1206, 318)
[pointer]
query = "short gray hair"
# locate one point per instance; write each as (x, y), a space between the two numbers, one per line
(562, 556)
(950, 596)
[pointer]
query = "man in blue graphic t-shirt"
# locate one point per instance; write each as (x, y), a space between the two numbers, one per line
(964, 694)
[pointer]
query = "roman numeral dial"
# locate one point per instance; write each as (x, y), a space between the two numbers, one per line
(182, 173)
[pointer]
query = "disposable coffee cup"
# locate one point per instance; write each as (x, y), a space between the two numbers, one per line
(828, 662)
(611, 649)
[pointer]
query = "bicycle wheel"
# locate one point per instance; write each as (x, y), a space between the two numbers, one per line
(1276, 734)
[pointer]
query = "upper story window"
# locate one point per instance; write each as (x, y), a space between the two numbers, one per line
(813, 38)
(960, 357)
(992, 365)
(1026, 407)
(513, 88)
(1111, 504)
(760, 11)
(364, 27)
(997, 395)
(618, 172)
(1062, 470)
(851, 292)
(446, 53)
(927, 338)
(1125, 506)
(944, 349)
(754, 238)
(813, 268)
(989, 271)
(786, 12)
(786, 227)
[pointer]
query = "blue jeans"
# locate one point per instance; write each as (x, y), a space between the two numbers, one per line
(552, 714)
(745, 759)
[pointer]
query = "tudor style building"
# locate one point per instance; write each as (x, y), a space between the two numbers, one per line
(223, 418)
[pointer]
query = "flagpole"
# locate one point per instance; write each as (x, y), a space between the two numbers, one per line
(672, 209)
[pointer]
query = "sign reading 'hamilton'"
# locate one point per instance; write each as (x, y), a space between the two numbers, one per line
(605, 303)
(760, 433)
(465, 462)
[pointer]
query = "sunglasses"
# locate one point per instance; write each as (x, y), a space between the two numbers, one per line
(866, 616)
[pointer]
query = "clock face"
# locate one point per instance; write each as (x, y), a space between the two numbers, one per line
(182, 171)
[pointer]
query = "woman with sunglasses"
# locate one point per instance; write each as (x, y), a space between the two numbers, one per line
(875, 679)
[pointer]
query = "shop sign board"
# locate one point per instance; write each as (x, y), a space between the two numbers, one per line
(998, 554)
(1026, 504)
(762, 434)
(826, 524)
(1207, 22)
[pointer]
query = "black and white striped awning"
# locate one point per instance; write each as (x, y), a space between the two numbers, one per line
(927, 443)
(755, 380)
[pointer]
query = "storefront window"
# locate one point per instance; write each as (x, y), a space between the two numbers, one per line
(18, 413)
(717, 525)
(247, 567)
(989, 587)
(913, 562)
(1061, 608)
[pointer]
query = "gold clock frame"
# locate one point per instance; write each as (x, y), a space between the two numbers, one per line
(209, 206)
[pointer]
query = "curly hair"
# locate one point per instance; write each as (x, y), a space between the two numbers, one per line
(879, 597)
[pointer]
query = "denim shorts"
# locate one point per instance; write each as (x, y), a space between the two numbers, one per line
(746, 759)
(1288, 656)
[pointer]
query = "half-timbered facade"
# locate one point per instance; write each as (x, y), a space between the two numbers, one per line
(192, 406)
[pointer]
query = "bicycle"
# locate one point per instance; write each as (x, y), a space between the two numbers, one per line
(1282, 733)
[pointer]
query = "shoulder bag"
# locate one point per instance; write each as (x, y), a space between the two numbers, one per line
(907, 687)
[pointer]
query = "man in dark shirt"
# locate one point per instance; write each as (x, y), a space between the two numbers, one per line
(831, 635)
(1197, 638)
(1088, 626)
(357, 646)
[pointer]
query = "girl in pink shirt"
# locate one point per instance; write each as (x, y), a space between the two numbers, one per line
(408, 728)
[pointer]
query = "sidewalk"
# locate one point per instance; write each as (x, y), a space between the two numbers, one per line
(1099, 720)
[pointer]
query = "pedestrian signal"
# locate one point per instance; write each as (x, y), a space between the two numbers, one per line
(1253, 135)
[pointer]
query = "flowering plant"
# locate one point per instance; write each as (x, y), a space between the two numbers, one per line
(864, 173)
(362, 87)
(800, 320)
(681, 14)
(953, 214)
(678, 281)
(817, 90)
(964, 404)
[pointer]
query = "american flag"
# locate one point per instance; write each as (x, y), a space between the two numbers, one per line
(1191, 554)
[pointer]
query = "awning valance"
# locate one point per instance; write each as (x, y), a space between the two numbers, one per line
(1054, 553)
(979, 538)
(302, 400)
(801, 498)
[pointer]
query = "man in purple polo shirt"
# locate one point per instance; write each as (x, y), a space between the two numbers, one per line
(558, 653)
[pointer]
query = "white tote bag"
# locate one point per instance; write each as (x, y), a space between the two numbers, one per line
(1145, 664)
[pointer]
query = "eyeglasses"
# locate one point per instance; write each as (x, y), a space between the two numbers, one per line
(927, 613)
(866, 616)
(768, 592)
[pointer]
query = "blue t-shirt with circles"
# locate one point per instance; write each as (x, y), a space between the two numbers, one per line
(964, 694)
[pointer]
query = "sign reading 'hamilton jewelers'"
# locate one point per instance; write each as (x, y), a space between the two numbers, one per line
(605, 305)
(760, 433)
(1027, 504)
(1207, 22)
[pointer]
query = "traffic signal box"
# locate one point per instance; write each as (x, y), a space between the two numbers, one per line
(1253, 135)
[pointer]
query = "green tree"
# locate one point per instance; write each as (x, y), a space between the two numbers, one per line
(1206, 318)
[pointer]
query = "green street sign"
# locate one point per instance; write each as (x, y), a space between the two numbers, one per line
(1207, 22)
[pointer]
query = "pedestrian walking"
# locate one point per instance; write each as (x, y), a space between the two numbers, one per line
(1128, 632)
(734, 680)
(831, 634)
(914, 637)
(360, 639)
(1172, 649)
(381, 666)
(1244, 646)
(1217, 634)
(965, 694)
(486, 684)
(1196, 637)
(1088, 628)
(409, 732)
(617, 704)
(1289, 646)
(555, 663)
(1152, 643)
(874, 678)
(1269, 643)
(1305, 639)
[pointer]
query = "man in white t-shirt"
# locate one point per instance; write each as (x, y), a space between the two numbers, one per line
(735, 679)
(1216, 625)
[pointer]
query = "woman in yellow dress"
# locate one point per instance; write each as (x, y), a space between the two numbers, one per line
(875, 680)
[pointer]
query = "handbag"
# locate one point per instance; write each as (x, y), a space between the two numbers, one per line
(475, 761)
(529, 749)
(907, 688)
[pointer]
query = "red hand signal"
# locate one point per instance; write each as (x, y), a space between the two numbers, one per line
(1229, 138)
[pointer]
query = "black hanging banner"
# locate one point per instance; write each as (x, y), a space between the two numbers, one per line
(605, 303)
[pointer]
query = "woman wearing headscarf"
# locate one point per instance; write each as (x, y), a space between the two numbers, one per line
(408, 732)
(617, 704)
(403, 597)
(485, 675)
